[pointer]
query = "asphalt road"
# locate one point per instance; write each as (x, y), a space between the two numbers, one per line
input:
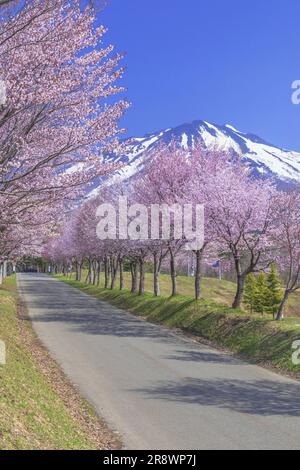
(160, 390)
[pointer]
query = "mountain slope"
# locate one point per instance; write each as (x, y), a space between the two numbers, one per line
(265, 159)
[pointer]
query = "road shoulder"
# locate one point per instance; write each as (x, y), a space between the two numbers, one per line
(39, 407)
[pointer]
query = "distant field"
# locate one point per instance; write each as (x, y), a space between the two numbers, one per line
(212, 289)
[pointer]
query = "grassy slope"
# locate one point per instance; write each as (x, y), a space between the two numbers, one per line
(213, 289)
(258, 338)
(32, 415)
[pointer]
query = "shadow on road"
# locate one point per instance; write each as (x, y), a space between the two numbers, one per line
(61, 303)
(200, 356)
(261, 397)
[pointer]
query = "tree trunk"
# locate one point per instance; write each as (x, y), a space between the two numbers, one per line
(114, 272)
(94, 267)
(198, 274)
(98, 273)
(239, 292)
(142, 277)
(80, 272)
(76, 271)
(173, 273)
(106, 272)
(121, 274)
(280, 313)
(156, 275)
(133, 269)
(88, 279)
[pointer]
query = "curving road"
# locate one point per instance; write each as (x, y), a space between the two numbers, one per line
(160, 390)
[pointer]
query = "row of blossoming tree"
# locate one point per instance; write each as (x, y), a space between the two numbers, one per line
(247, 221)
(55, 122)
(55, 125)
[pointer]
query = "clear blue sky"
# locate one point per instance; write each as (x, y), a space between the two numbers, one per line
(222, 61)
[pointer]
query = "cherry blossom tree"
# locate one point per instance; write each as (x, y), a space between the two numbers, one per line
(165, 182)
(206, 165)
(240, 215)
(241, 211)
(286, 241)
(55, 124)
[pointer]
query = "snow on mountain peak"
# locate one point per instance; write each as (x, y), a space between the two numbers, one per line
(265, 159)
(229, 126)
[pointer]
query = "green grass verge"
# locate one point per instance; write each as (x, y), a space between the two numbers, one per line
(221, 291)
(32, 415)
(257, 338)
(212, 288)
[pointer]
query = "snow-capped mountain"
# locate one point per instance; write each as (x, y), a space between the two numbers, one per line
(265, 159)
